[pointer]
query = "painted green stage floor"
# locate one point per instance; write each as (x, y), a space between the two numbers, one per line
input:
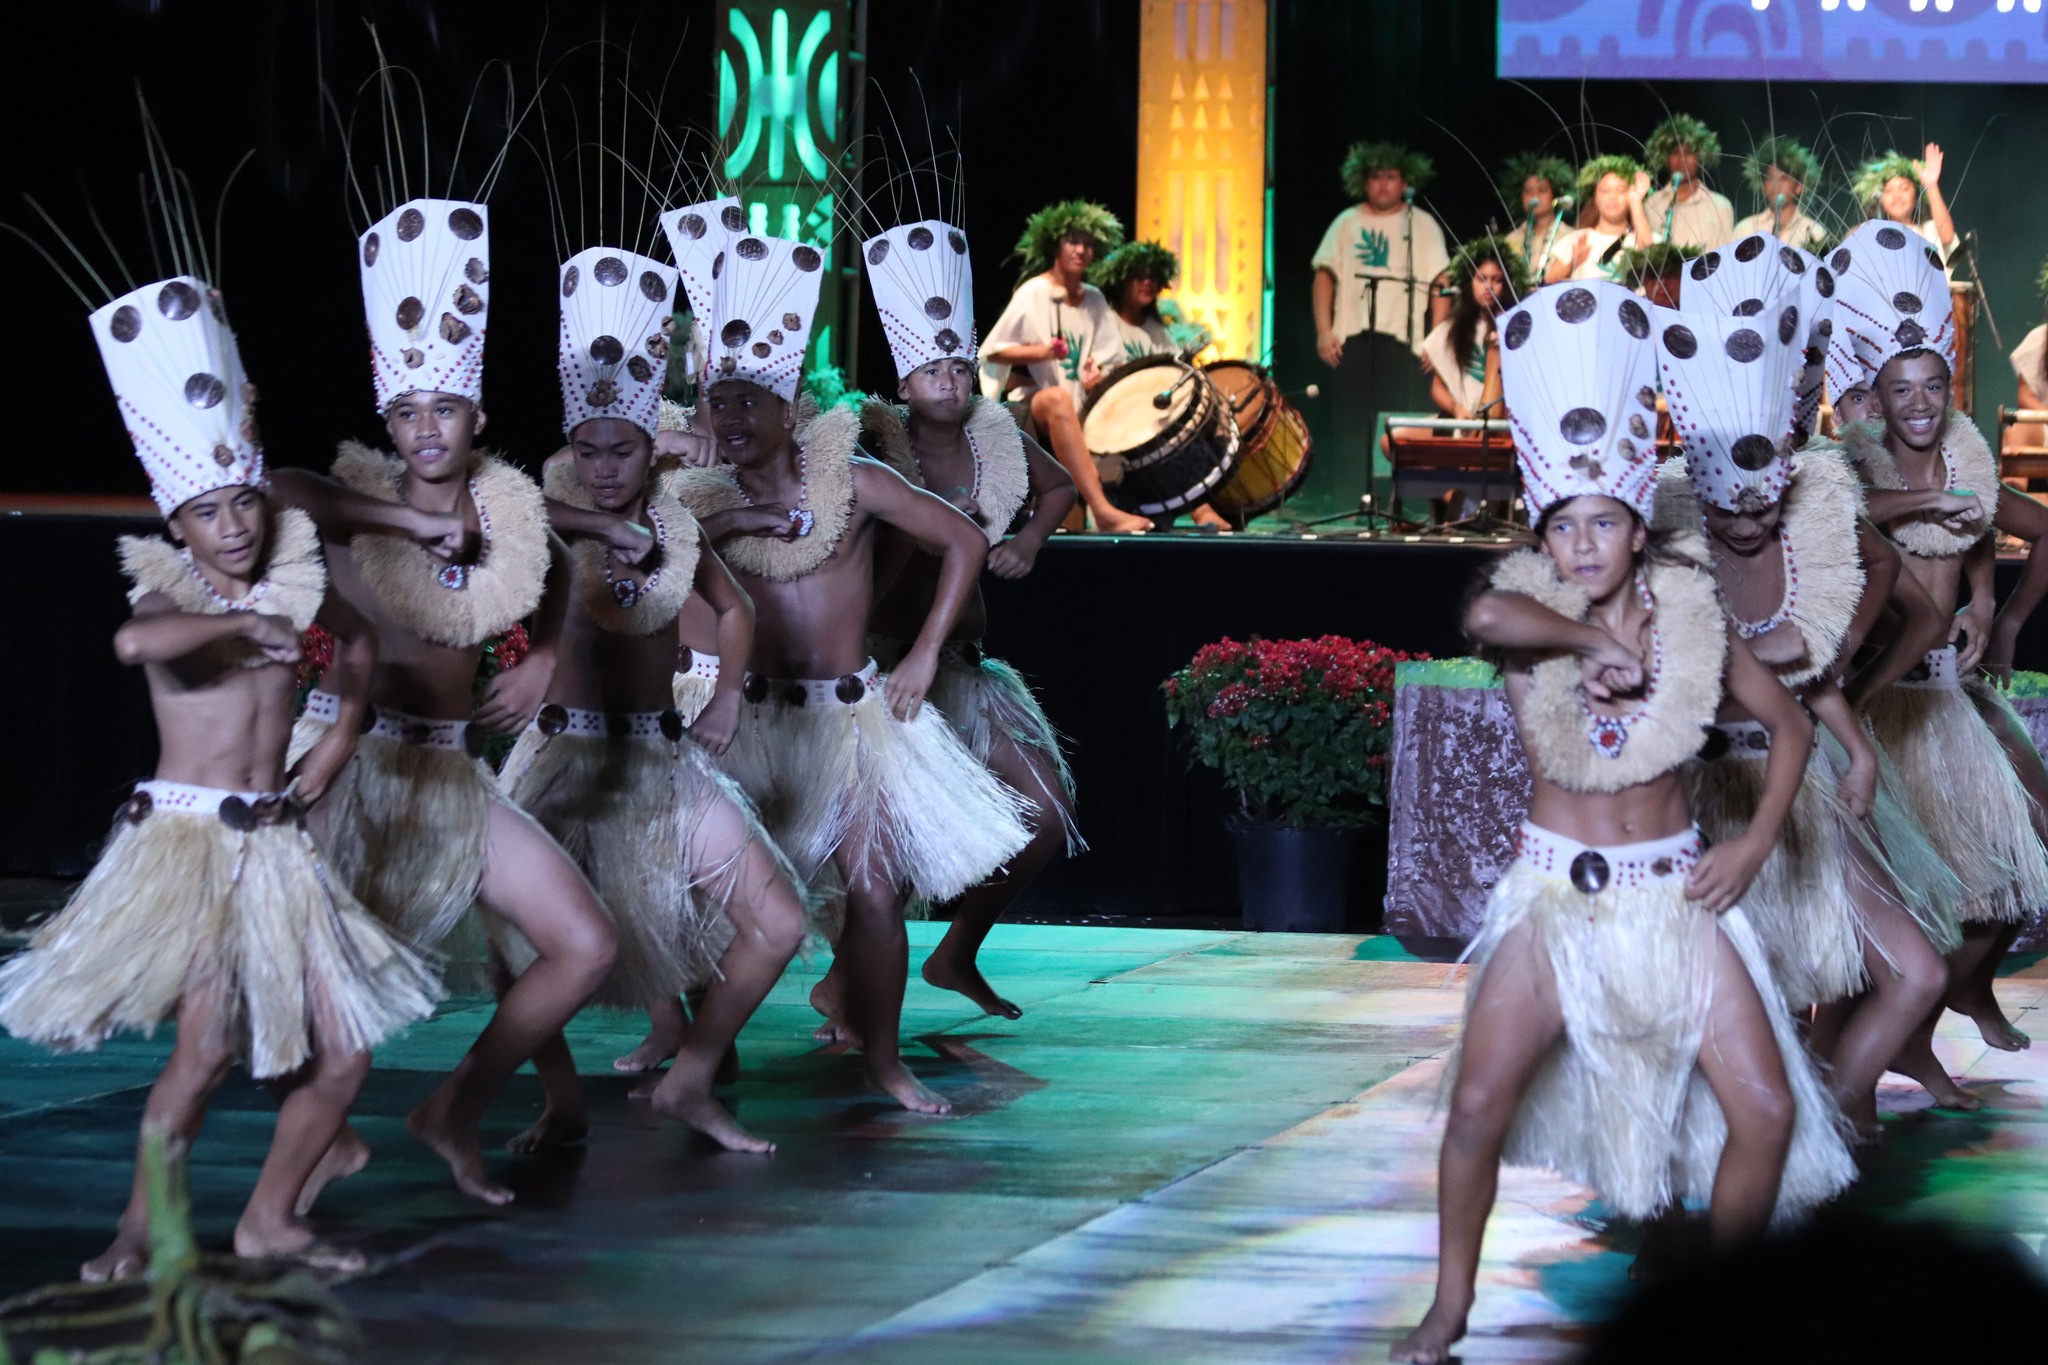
(1193, 1147)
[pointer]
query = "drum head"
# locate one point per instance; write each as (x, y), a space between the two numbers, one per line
(1123, 417)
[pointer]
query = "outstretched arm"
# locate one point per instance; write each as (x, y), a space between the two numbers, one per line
(1725, 871)
(1052, 498)
(348, 677)
(1887, 505)
(720, 721)
(933, 521)
(159, 633)
(2018, 515)
(1521, 625)
(341, 512)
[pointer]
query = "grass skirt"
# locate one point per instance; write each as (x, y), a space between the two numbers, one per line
(1620, 1104)
(1969, 800)
(1800, 903)
(405, 826)
(986, 700)
(694, 686)
(180, 901)
(1926, 885)
(628, 811)
(905, 797)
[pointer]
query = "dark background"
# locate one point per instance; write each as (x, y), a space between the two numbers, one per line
(1043, 98)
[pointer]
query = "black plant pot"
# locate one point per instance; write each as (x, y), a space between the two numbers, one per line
(1292, 880)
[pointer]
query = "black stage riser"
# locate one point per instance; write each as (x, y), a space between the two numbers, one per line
(1096, 628)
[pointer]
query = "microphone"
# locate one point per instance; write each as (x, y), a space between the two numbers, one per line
(1407, 194)
(1565, 201)
(1778, 199)
(1677, 179)
(1164, 398)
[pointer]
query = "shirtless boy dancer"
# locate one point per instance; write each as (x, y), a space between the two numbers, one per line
(950, 441)
(847, 770)
(416, 824)
(210, 905)
(1621, 1026)
(697, 894)
(1933, 484)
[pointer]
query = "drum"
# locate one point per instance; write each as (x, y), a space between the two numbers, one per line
(1276, 446)
(1963, 381)
(1159, 457)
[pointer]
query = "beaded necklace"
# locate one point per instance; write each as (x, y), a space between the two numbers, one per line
(1609, 734)
(246, 602)
(799, 514)
(625, 591)
(1749, 630)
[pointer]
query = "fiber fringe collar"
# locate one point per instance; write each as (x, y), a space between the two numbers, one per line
(665, 591)
(294, 581)
(504, 584)
(1970, 465)
(1821, 505)
(1670, 725)
(1002, 476)
(828, 441)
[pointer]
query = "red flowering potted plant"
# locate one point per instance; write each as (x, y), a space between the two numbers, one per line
(1299, 730)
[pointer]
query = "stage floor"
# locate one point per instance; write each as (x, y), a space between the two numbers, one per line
(1192, 1147)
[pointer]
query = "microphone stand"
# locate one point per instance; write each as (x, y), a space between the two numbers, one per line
(1677, 183)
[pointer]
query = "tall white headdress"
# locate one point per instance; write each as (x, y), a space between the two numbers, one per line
(696, 234)
(764, 298)
(426, 295)
(1728, 381)
(924, 290)
(1891, 292)
(613, 353)
(184, 397)
(1758, 274)
(1580, 380)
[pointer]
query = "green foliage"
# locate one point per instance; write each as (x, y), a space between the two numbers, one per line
(1641, 263)
(1134, 261)
(1299, 729)
(1872, 176)
(1366, 157)
(1599, 167)
(1554, 169)
(1682, 130)
(1044, 229)
(1788, 155)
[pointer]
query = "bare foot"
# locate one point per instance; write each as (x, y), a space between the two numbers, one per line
(1430, 1344)
(647, 1057)
(554, 1130)
(1920, 1066)
(463, 1151)
(1115, 521)
(906, 1089)
(968, 981)
(129, 1255)
(1205, 515)
(346, 1155)
(1997, 1030)
(295, 1242)
(827, 999)
(697, 1109)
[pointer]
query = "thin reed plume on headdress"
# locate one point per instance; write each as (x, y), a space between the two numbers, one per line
(426, 251)
(1363, 158)
(609, 178)
(170, 355)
